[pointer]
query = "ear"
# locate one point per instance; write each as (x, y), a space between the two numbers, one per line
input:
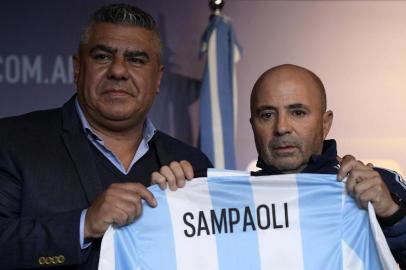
(159, 78)
(327, 122)
(76, 67)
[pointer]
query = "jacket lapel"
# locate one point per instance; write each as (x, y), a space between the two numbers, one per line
(79, 150)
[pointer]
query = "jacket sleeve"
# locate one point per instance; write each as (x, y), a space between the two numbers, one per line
(28, 241)
(396, 234)
(396, 238)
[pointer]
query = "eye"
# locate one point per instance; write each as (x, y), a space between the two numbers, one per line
(139, 61)
(267, 114)
(299, 113)
(101, 57)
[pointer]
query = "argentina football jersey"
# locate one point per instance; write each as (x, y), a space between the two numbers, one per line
(231, 220)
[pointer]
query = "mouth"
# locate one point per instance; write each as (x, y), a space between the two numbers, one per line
(284, 149)
(116, 93)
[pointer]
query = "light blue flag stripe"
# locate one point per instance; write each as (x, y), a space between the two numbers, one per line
(206, 130)
(315, 223)
(155, 249)
(233, 251)
(224, 62)
(356, 236)
(225, 50)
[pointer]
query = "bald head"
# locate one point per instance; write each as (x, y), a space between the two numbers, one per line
(289, 117)
(286, 73)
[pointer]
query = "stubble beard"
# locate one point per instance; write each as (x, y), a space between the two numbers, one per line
(286, 162)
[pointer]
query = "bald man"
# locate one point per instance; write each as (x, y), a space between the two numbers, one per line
(290, 121)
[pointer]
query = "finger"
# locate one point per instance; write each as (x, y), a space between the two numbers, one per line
(368, 195)
(355, 189)
(123, 193)
(147, 195)
(348, 163)
(137, 211)
(346, 158)
(178, 172)
(370, 165)
(359, 180)
(119, 217)
(366, 174)
(364, 186)
(120, 206)
(345, 166)
(169, 176)
(350, 186)
(380, 197)
(157, 178)
(187, 169)
(133, 207)
(131, 193)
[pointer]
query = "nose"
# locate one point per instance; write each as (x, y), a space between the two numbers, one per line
(282, 125)
(118, 70)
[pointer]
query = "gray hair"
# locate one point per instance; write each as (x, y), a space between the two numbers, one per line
(123, 14)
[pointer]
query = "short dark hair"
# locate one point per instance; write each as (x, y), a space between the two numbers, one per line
(123, 14)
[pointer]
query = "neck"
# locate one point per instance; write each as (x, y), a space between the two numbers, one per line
(123, 143)
(298, 170)
(270, 169)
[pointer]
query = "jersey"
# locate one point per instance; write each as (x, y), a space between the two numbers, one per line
(231, 220)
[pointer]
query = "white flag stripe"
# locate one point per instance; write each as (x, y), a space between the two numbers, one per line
(218, 95)
(350, 258)
(192, 252)
(221, 173)
(236, 54)
(108, 260)
(217, 126)
(270, 251)
(385, 255)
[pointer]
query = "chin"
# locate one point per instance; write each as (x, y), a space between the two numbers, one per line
(289, 166)
(116, 116)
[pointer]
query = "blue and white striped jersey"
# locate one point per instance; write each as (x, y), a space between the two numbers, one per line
(231, 220)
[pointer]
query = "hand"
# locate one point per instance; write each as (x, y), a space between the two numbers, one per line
(344, 170)
(365, 184)
(174, 175)
(120, 204)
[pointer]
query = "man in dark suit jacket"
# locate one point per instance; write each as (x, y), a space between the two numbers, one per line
(67, 174)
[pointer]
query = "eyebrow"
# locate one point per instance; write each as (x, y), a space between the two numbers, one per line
(264, 107)
(290, 107)
(103, 48)
(298, 106)
(134, 53)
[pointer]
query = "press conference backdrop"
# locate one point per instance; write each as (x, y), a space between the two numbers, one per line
(358, 48)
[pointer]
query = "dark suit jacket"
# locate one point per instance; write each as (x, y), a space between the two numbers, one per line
(47, 177)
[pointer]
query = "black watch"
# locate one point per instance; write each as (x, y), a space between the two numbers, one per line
(395, 217)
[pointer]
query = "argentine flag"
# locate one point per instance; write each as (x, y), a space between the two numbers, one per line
(218, 94)
(231, 220)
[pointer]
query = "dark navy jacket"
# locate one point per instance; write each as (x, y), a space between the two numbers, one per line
(48, 175)
(327, 163)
